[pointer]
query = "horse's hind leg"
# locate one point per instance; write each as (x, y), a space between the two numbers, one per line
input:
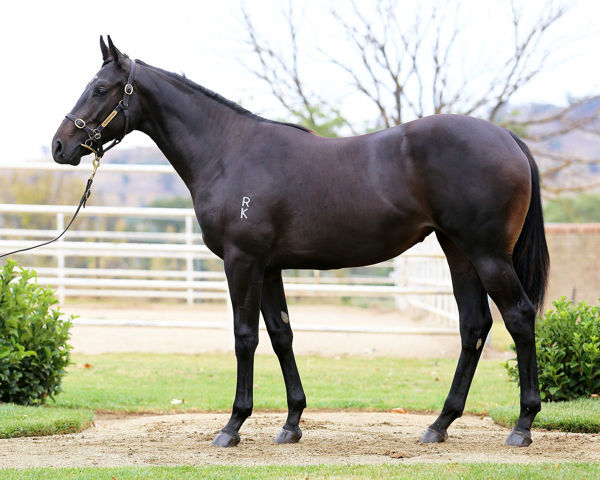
(275, 313)
(475, 322)
(501, 282)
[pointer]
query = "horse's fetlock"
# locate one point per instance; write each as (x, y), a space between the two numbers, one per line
(297, 402)
(453, 407)
(242, 411)
(531, 406)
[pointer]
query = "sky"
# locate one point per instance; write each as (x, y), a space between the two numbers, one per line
(50, 52)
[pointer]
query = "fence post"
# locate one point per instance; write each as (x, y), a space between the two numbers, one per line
(488, 340)
(60, 258)
(399, 277)
(229, 321)
(189, 259)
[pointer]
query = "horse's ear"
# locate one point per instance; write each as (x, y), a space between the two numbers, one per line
(116, 55)
(104, 50)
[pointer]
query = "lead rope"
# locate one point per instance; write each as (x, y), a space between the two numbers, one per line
(84, 198)
(94, 137)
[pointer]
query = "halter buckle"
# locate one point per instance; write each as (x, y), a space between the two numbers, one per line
(128, 89)
(79, 123)
(97, 135)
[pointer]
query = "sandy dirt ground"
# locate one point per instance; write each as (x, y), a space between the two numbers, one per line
(108, 339)
(329, 437)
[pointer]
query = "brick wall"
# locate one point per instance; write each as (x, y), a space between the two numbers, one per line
(574, 261)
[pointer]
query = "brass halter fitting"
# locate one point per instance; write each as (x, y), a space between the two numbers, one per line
(94, 141)
(94, 145)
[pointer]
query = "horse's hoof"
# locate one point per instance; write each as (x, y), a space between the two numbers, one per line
(289, 436)
(224, 439)
(433, 436)
(517, 438)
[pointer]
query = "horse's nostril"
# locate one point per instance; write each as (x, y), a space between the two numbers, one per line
(58, 147)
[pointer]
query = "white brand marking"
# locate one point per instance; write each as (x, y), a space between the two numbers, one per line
(479, 343)
(284, 317)
(245, 203)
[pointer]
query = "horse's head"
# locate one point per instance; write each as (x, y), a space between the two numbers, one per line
(93, 121)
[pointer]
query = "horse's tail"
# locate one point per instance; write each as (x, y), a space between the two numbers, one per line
(530, 255)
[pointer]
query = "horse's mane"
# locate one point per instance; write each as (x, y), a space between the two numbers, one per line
(219, 98)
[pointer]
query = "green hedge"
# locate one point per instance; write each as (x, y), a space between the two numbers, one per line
(33, 339)
(568, 352)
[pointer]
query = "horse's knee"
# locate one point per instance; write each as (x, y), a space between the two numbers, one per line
(245, 344)
(281, 341)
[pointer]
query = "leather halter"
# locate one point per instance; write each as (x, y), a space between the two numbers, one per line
(94, 144)
(94, 140)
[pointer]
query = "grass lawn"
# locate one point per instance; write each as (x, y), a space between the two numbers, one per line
(501, 339)
(147, 382)
(453, 471)
(581, 415)
(19, 421)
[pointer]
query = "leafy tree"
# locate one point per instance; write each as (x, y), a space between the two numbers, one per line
(583, 208)
(38, 189)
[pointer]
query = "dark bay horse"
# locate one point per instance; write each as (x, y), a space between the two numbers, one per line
(271, 196)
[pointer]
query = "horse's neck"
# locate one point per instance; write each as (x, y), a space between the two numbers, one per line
(192, 130)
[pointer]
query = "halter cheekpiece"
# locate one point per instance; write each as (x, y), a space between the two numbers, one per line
(94, 144)
(94, 140)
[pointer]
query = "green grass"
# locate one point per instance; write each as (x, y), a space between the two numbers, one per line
(581, 415)
(147, 382)
(452, 471)
(501, 339)
(19, 421)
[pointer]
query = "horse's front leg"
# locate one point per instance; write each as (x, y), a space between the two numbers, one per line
(245, 278)
(275, 313)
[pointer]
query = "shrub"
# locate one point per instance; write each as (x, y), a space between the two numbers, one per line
(33, 339)
(568, 352)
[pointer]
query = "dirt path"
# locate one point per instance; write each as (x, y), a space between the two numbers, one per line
(329, 437)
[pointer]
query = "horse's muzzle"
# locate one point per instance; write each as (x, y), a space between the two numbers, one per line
(61, 154)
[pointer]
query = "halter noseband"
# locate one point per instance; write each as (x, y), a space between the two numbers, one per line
(93, 142)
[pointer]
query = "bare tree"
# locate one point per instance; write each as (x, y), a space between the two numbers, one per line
(409, 69)
(566, 142)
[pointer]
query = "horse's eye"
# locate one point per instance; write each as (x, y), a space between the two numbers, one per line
(99, 91)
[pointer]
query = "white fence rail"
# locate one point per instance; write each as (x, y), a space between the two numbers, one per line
(419, 277)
